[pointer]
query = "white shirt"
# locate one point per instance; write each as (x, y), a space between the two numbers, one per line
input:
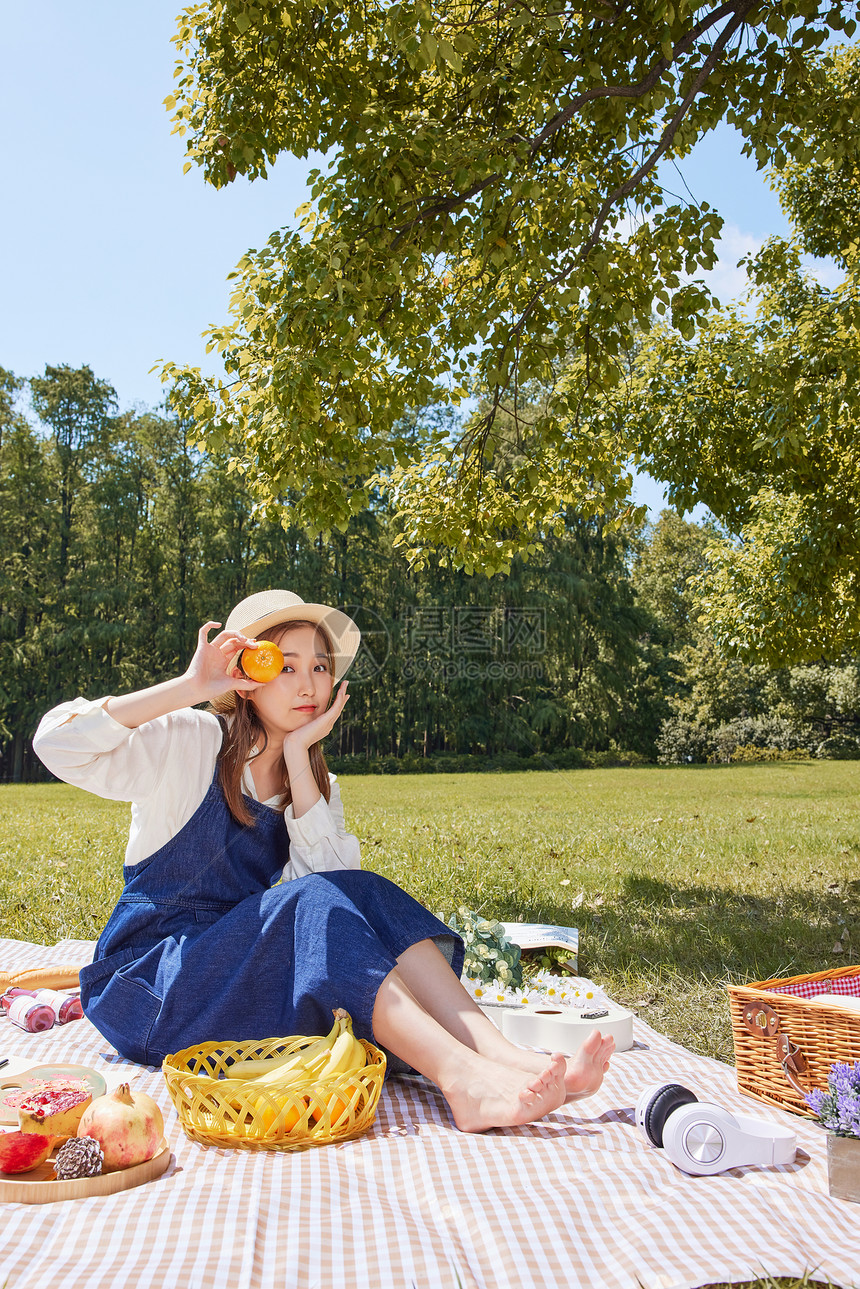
(164, 768)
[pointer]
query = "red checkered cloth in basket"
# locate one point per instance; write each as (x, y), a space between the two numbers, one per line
(811, 988)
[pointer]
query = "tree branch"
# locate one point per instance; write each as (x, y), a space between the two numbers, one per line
(481, 432)
(624, 190)
(644, 86)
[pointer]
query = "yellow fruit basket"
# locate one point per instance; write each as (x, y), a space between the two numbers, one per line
(218, 1110)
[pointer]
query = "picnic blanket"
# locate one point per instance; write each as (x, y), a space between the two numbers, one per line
(578, 1199)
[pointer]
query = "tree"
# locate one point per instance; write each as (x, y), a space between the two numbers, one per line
(759, 417)
(819, 184)
(712, 703)
(105, 595)
(670, 560)
(10, 388)
(494, 214)
(760, 420)
(76, 408)
(27, 568)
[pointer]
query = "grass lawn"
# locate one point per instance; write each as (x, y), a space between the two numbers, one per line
(679, 879)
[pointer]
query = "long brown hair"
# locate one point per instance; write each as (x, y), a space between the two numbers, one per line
(244, 731)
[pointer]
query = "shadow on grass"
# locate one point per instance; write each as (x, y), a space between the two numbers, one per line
(713, 932)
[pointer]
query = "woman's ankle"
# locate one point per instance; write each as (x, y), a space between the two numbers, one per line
(458, 1067)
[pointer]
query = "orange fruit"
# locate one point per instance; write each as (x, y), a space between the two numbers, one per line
(283, 1120)
(337, 1108)
(263, 663)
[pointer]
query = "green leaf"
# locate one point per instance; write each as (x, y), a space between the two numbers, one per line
(450, 55)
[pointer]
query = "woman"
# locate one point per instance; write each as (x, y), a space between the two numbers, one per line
(245, 913)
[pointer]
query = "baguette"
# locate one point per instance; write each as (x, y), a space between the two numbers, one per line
(40, 978)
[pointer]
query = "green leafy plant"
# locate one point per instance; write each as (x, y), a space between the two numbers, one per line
(554, 960)
(839, 747)
(490, 953)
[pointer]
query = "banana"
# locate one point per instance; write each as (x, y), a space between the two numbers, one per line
(291, 1081)
(360, 1056)
(283, 1080)
(341, 1066)
(346, 1056)
(281, 1065)
(304, 1060)
(338, 1062)
(339, 1053)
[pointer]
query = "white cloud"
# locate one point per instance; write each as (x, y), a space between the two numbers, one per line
(729, 282)
(726, 279)
(829, 274)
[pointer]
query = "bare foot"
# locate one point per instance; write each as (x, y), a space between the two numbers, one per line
(583, 1072)
(586, 1069)
(483, 1094)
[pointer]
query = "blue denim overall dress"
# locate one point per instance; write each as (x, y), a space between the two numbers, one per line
(202, 946)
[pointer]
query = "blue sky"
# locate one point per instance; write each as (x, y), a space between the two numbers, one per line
(112, 257)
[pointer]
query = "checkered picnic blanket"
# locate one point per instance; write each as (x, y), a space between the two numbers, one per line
(578, 1199)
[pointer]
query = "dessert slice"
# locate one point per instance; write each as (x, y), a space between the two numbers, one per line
(16, 1096)
(54, 1112)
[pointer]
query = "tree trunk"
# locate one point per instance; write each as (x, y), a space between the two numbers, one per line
(17, 758)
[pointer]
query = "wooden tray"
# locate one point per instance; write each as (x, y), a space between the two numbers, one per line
(13, 1082)
(41, 1187)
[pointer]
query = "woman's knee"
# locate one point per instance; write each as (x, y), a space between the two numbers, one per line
(346, 880)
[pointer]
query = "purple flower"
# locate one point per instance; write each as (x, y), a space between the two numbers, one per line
(844, 1078)
(839, 1107)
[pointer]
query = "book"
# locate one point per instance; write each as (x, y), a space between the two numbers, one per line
(543, 935)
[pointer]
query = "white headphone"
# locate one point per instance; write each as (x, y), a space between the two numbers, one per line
(702, 1138)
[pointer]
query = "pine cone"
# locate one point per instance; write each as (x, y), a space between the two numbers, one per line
(78, 1157)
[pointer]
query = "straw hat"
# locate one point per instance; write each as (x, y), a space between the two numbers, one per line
(254, 615)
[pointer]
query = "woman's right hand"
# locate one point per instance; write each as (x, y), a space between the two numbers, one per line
(209, 670)
(208, 675)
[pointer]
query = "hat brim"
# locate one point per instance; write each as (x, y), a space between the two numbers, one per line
(344, 634)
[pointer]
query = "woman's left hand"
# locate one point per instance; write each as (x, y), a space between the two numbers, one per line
(320, 727)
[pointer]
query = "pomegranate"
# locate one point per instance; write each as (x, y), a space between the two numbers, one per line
(22, 1151)
(127, 1125)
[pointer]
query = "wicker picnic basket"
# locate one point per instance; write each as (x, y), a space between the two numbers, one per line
(785, 1044)
(219, 1111)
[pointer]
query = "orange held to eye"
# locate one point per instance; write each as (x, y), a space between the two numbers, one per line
(263, 663)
